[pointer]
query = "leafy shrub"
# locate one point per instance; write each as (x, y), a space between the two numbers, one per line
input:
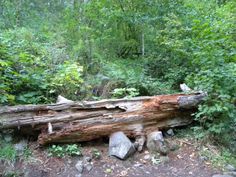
(67, 80)
(26, 73)
(23, 71)
(217, 114)
(125, 92)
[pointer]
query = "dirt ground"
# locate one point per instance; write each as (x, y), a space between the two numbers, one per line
(182, 162)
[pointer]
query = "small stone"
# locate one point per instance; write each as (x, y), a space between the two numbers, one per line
(230, 167)
(170, 132)
(203, 158)
(79, 166)
(137, 165)
(219, 175)
(89, 167)
(120, 146)
(87, 159)
(146, 157)
(123, 173)
(78, 175)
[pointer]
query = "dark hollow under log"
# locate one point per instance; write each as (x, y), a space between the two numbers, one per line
(84, 121)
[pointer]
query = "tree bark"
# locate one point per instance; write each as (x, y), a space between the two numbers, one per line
(84, 121)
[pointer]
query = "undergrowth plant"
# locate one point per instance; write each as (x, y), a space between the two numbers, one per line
(96, 154)
(63, 150)
(125, 92)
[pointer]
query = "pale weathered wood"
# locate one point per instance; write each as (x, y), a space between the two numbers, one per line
(84, 121)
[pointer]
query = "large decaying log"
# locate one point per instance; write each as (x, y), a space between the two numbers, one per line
(84, 121)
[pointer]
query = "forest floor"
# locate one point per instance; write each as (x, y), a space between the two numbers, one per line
(185, 161)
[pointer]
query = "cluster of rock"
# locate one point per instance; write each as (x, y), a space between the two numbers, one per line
(84, 165)
(121, 147)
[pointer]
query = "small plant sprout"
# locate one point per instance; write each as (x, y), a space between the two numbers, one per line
(96, 154)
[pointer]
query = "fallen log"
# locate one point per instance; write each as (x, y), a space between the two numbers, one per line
(84, 121)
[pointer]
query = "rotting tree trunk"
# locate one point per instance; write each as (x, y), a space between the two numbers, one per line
(84, 121)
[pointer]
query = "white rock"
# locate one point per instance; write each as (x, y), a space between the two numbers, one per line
(147, 157)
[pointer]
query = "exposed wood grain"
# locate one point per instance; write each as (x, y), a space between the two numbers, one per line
(84, 121)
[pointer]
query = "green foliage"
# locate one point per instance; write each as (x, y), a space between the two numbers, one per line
(12, 174)
(218, 157)
(156, 159)
(67, 80)
(216, 73)
(7, 152)
(125, 92)
(96, 154)
(23, 72)
(217, 114)
(25, 75)
(27, 153)
(61, 151)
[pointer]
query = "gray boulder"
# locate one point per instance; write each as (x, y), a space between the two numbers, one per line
(120, 146)
(170, 132)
